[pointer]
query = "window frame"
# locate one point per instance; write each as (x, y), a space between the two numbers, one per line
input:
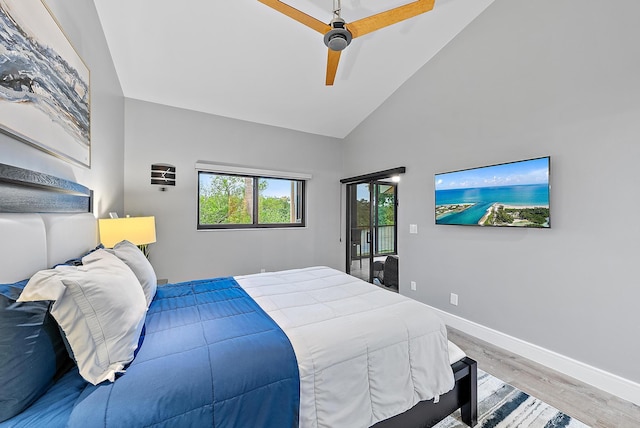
(300, 205)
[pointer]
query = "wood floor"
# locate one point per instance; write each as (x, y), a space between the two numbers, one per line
(589, 405)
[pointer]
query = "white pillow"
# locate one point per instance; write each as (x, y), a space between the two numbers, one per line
(139, 264)
(100, 307)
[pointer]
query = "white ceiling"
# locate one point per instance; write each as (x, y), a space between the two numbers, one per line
(244, 60)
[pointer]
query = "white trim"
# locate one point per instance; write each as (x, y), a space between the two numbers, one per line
(243, 170)
(609, 382)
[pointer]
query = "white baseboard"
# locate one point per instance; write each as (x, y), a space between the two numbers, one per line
(609, 382)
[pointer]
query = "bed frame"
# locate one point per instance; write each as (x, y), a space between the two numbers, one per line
(25, 192)
(463, 396)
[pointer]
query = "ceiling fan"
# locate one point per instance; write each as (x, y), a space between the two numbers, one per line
(338, 33)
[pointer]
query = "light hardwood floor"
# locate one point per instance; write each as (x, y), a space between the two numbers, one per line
(591, 406)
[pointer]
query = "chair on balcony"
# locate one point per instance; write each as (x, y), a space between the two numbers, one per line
(391, 272)
(387, 271)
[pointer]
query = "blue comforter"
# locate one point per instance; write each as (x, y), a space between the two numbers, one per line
(211, 357)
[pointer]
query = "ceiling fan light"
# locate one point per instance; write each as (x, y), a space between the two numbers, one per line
(337, 42)
(337, 39)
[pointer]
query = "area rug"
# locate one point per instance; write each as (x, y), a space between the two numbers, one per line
(502, 405)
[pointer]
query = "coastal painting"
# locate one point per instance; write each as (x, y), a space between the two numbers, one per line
(514, 194)
(44, 84)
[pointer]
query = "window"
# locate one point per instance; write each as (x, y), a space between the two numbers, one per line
(230, 201)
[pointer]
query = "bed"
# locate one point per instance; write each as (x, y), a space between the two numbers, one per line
(312, 347)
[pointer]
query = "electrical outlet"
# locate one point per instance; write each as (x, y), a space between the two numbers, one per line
(454, 299)
(413, 228)
(263, 270)
(413, 286)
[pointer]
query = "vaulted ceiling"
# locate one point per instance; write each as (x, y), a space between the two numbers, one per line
(244, 60)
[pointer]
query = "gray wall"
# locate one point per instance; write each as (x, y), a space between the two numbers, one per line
(161, 134)
(527, 79)
(80, 23)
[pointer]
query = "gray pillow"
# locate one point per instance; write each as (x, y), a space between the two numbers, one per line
(101, 309)
(139, 264)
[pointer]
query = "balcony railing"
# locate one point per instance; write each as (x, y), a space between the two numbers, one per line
(386, 241)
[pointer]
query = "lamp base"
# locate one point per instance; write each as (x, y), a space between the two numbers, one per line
(145, 249)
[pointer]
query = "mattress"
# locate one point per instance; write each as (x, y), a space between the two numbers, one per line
(364, 354)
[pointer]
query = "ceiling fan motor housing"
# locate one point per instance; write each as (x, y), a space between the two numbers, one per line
(338, 37)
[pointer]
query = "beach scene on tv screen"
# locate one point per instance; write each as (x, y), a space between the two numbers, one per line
(513, 194)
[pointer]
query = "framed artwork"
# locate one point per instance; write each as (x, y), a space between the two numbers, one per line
(44, 84)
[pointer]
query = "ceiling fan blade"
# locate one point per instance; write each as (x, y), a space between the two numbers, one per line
(392, 16)
(299, 16)
(333, 58)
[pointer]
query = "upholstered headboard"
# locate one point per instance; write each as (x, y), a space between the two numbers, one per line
(44, 220)
(32, 242)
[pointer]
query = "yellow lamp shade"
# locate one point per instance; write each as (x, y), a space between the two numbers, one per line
(137, 230)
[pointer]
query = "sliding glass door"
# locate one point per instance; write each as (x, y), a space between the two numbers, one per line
(384, 225)
(359, 230)
(372, 229)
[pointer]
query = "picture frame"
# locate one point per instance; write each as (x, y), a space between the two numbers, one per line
(44, 83)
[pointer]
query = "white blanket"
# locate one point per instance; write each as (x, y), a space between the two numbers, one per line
(365, 354)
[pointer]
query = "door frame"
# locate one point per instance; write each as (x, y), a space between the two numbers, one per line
(371, 179)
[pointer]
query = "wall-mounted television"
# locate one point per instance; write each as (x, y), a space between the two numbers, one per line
(513, 194)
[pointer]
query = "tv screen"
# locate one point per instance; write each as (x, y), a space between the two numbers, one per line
(514, 194)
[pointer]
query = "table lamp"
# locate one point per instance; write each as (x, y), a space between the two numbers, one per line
(140, 231)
